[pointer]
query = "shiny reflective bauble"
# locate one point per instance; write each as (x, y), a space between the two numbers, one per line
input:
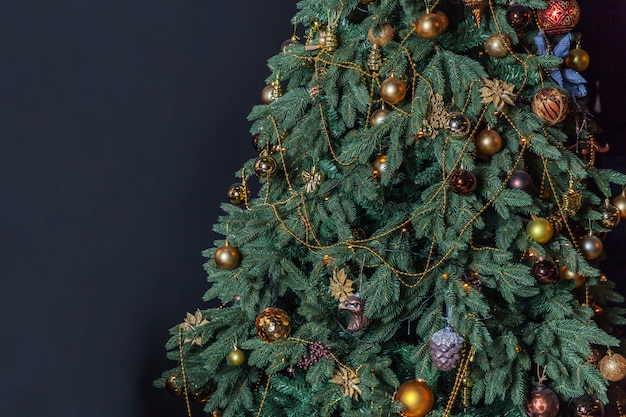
(559, 16)
(620, 203)
(267, 95)
(238, 194)
(203, 394)
(392, 90)
(551, 105)
(379, 116)
(543, 402)
(174, 386)
(497, 45)
(540, 230)
(518, 16)
(458, 124)
(227, 257)
(445, 22)
(429, 26)
(379, 165)
(610, 215)
(488, 143)
(417, 397)
(577, 59)
(591, 247)
(520, 180)
(236, 357)
(545, 271)
(613, 366)
(380, 35)
(566, 274)
(265, 166)
(585, 406)
(462, 181)
(273, 324)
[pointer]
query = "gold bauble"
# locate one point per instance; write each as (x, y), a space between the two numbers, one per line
(577, 59)
(610, 215)
(445, 22)
(429, 26)
(380, 35)
(497, 45)
(392, 90)
(417, 397)
(265, 166)
(238, 194)
(173, 386)
(236, 357)
(613, 366)
(227, 257)
(591, 247)
(267, 95)
(379, 165)
(488, 142)
(379, 116)
(566, 274)
(551, 105)
(620, 203)
(540, 230)
(273, 324)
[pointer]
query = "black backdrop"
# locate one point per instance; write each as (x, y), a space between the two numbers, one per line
(122, 123)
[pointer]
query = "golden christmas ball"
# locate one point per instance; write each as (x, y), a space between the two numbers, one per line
(267, 95)
(445, 22)
(497, 45)
(202, 395)
(559, 16)
(227, 257)
(613, 366)
(174, 386)
(488, 142)
(392, 90)
(379, 165)
(265, 166)
(273, 324)
(620, 203)
(380, 35)
(566, 274)
(379, 116)
(540, 230)
(577, 59)
(429, 26)
(610, 215)
(417, 397)
(238, 194)
(236, 357)
(550, 104)
(543, 402)
(591, 247)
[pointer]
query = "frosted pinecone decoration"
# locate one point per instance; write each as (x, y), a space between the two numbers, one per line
(446, 347)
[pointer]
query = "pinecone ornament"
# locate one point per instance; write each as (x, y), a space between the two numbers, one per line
(446, 347)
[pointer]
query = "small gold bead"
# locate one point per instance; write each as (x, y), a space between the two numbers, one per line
(466, 287)
(403, 230)
(518, 349)
(445, 276)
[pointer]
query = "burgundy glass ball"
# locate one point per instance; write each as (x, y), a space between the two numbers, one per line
(585, 406)
(462, 181)
(545, 271)
(542, 402)
(518, 16)
(520, 180)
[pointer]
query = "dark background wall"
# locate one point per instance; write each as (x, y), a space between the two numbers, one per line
(122, 123)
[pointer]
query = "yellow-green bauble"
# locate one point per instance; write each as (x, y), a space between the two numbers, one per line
(540, 230)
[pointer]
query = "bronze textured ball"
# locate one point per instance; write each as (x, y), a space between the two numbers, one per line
(610, 215)
(545, 271)
(518, 16)
(613, 366)
(174, 386)
(585, 406)
(559, 16)
(379, 116)
(417, 397)
(566, 274)
(458, 125)
(265, 166)
(488, 143)
(462, 181)
(591, 247)
(497, 45)
(577, 59)
(273, 324)
(381, 35)
(392, 90)
(429, 26)
(543, 402)
(620, 203)
(540, 230)
(520, 180)
(227, 257)
(267, 95)
(238, 194)
(550, 104)
(379, 165)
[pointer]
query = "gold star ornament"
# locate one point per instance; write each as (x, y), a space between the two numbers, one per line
(349, 381)
(497, 92)
(340, 285)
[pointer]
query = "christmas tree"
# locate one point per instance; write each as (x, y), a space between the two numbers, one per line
(427, 227)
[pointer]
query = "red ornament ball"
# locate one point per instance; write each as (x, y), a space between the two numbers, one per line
(559, 16)
(551, 104)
